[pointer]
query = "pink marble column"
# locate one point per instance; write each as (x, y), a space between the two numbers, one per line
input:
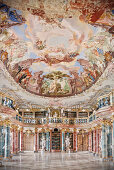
(90, 141)
(99, 141)
(74, 141)
(94, 141)
(16, 140)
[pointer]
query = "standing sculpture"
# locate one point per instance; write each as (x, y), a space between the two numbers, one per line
(67, 143)
(43, 143)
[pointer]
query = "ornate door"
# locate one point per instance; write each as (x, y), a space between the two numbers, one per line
(28, 142)
(79, 142)
(82, 142)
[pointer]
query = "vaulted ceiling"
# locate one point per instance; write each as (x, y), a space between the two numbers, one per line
(56, 53)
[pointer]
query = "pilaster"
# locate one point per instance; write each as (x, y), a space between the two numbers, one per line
(90, 140)
(47, 140)
(113, 137)
(74, 140)
(63, 140)
(109, 141)
(7, 139)
(50, 140)
(104, 141)
(21, 140)
(1, 140)
(36, 141)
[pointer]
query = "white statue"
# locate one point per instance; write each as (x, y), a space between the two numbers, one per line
(67, 143)
(43, 143)
(5, 102)
(55, 114)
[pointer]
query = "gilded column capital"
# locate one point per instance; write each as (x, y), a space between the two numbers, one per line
(94, 128)
(90, 130)
(21, 129)
(16, 128)
(7, 122)
(36, 130)
(62, 130)
(47, 130)
(12, 127)
(1, 123)
(98, 127)
(106, 122)
(42, 130)
(67, 130)
(112, 118)
(75, 130)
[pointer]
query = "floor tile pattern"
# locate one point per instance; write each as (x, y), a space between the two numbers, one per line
(56, 161)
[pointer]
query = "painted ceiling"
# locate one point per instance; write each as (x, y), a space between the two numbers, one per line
(56, 48)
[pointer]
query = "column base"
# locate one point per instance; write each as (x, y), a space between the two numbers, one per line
(1, 157)
(7, 158)
(15, 154)
(105, 159)
(94, 154)
(62, 151)
(21, 151)
(110, 159)
(1, 164)
(74, 151)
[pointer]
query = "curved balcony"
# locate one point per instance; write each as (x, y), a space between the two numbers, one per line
(51, 120)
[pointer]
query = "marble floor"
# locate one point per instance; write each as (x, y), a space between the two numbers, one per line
(56, 161)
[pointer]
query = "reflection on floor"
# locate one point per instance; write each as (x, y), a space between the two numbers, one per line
(56, 161)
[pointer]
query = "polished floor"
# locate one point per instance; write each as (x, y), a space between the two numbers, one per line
(56, 161)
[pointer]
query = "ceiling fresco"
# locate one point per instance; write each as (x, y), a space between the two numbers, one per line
(56, 54)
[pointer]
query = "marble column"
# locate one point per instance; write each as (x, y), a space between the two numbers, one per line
(47, 141)
(1, 141)
(36, 141)
(13, 140)
(7, 142)
(90, 140)
(63, 141)
(99, 141)
(50, 140)
(16, 140)
(113, 138)
(94, 141)
(21, 140)
(104, 142)
(109, 141)
(74, 140)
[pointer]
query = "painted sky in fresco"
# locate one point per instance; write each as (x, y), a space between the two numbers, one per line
(56, 59)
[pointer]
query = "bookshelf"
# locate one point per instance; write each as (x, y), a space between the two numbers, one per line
(28, 114)
(82, 114)
(41, 114)
(70, 114)
(56, 141)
